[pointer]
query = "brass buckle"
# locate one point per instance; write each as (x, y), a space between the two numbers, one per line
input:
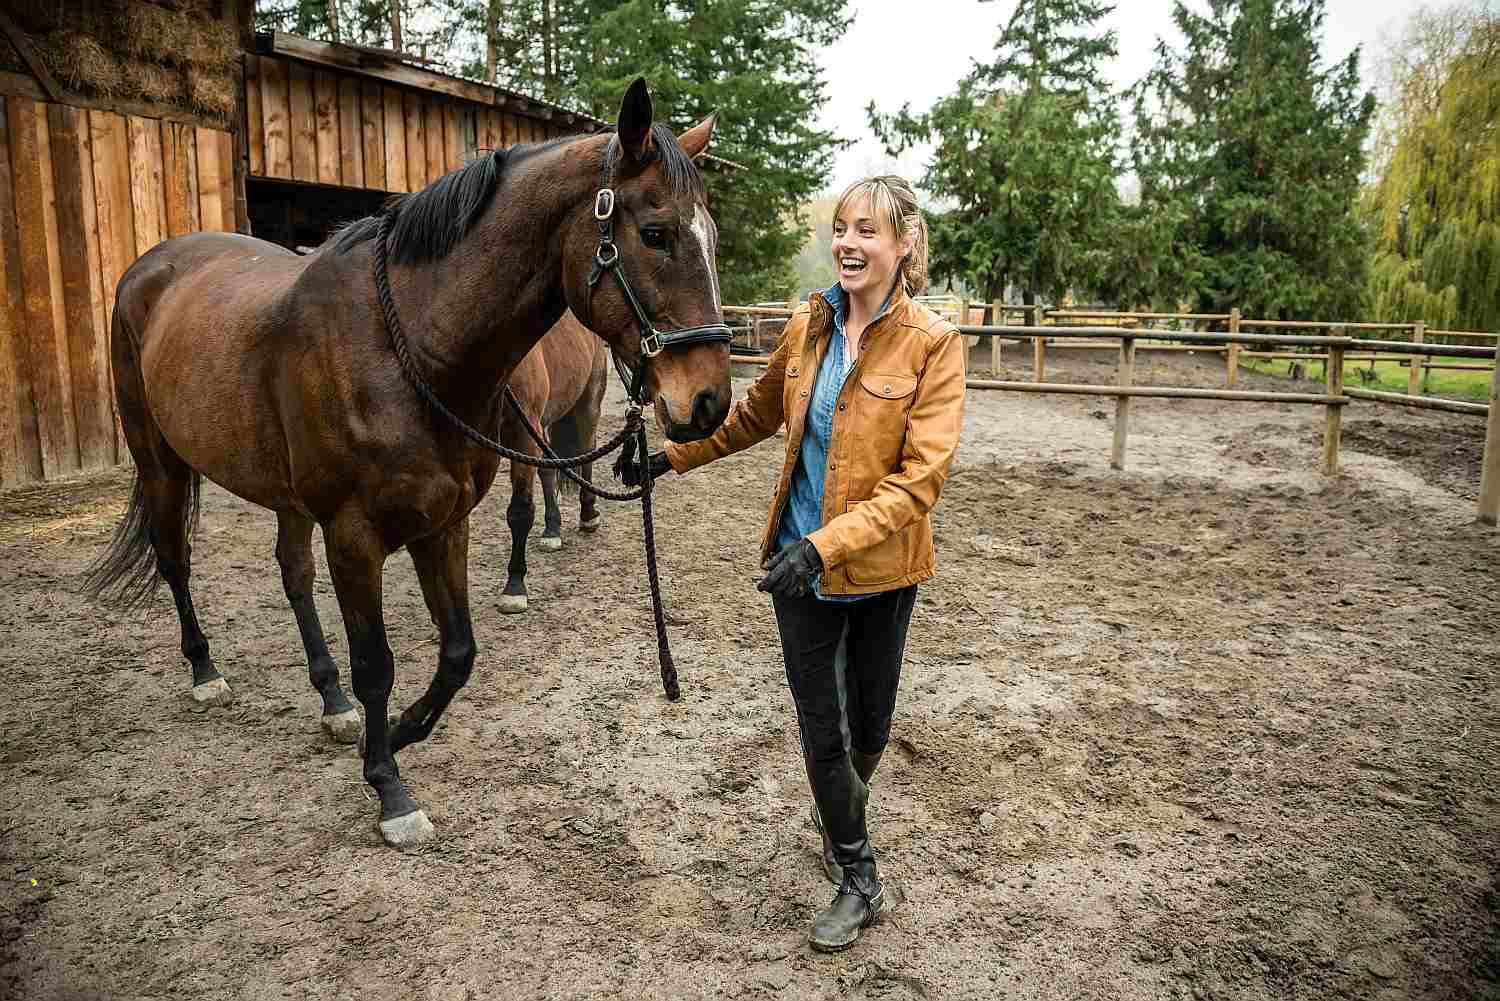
(604, 204)
(651, 344)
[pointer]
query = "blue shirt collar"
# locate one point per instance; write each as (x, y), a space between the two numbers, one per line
(837, 298)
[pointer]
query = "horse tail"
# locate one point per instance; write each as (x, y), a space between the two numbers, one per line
(125, 575)
(567, 441)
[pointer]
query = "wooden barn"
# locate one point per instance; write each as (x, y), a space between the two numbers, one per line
(126, 122)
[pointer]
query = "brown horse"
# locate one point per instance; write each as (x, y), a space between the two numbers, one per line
(274, 375)
(560, 388)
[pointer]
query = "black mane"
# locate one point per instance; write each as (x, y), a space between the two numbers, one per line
(431, 222)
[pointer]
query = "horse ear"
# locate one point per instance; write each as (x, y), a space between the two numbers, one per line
(634, 125)
(694, 141)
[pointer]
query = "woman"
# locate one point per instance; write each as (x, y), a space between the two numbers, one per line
(870, 385)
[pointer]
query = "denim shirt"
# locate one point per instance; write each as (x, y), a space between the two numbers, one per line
(803, 513)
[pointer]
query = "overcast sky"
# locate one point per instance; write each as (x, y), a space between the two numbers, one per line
(917, 52)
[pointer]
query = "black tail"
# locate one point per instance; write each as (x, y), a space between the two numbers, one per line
(125, 575)
(566, 441)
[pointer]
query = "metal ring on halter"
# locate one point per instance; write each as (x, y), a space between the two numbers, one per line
(651, 343)
(606, 262)
(604, 204)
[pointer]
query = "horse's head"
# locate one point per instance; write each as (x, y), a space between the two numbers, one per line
(653, 241)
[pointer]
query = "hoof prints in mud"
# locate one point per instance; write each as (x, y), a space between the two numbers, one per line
(1160, 736)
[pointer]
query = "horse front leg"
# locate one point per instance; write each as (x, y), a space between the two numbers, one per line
(356, 561)
(551, 514)
(442, 563)
(294, 554)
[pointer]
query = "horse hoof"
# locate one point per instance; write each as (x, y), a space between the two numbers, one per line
(213, 693)
(345, 727)
(592, 525)
(550, 542)
(404, 832)
(512, 604)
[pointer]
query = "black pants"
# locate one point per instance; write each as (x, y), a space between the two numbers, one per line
(872, 634)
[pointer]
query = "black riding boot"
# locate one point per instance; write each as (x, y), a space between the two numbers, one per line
(840, 796)
(864, 766)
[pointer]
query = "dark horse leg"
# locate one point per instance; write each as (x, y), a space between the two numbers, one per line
(520, 516)
(294, 553)
(552, 515)
(356, 559)
(442, 563)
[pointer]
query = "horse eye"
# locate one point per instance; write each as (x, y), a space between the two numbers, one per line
(654, 238)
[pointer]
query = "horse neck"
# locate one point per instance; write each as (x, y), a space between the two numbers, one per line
(477, 312)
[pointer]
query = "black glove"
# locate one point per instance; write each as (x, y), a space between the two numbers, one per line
(633, 473)
(792, 571)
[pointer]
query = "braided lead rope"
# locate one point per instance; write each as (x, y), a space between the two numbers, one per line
(409, 369)
(631, 421)
(663, 651)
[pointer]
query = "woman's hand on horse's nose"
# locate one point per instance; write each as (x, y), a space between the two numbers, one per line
(633, 473)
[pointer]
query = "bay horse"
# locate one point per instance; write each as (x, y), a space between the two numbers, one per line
(281, 378)
(559, 387)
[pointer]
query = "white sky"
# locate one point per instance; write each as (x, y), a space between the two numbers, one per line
(895, 52)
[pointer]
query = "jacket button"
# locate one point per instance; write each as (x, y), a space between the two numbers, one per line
(887, 387)
(804, 392)
(841, 406)
(832, 466)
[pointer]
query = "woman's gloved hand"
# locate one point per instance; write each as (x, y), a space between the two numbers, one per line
(632, 474)
(792, 571)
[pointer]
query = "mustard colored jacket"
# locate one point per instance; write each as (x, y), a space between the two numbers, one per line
(895, 430)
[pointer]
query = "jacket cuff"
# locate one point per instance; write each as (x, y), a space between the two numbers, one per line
(828, 549)
(689, 456)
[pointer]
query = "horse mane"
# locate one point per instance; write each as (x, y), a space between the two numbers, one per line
(431, 222)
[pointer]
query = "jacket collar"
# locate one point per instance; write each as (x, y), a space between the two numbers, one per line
(834, 302)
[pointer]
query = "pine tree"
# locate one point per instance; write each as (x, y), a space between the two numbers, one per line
(754, 64)
(1255, 150)
(1436, 206)
(1025, 156)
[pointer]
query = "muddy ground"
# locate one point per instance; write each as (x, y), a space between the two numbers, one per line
(1214, 727)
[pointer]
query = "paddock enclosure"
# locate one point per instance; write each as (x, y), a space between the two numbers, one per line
(1216, 726)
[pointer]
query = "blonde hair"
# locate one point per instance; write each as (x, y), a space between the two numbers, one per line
(894, 205)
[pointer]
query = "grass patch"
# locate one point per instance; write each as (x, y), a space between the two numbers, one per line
(1390, 376)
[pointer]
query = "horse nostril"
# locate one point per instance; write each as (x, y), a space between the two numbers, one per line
(708, 411)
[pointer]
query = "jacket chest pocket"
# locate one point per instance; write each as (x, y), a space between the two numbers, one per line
(881, 402)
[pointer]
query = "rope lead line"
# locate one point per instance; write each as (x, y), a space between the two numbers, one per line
(631, 439)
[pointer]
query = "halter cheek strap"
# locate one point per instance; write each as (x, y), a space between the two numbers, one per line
(607, 259)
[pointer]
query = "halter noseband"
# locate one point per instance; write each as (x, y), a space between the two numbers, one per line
(607, 259)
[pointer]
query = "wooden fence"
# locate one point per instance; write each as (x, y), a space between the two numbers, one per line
(83, 192)
(1334, 347)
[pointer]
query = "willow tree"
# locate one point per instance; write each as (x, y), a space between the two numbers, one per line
(1436, 205)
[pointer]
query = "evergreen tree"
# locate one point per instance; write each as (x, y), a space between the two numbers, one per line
(1436, 206)
(1253, 151)
(752, 62)
(1025, 156)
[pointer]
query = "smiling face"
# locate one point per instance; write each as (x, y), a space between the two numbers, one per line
(866, 248)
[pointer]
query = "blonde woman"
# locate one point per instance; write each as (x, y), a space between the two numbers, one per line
(870, 386)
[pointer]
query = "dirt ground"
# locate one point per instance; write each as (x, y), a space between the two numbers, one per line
(1215, 727)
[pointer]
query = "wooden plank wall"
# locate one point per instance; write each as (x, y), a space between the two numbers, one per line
(82, 194)
(327, 127)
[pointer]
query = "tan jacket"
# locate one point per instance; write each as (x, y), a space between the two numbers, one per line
(894, 433)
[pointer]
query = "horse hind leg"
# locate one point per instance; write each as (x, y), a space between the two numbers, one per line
(520, 516)
(552, 514)
(294, 554)
(158, 522)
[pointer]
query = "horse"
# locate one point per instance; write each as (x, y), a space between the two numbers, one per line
(287, 380)
(559, 387)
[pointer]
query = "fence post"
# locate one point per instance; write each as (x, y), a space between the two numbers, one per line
(963, 319)
(1038, 348)
(996, 312)
(1414, 377)
(1122, 403)
(1334, 421)
(1232, 356)
(1489, 479)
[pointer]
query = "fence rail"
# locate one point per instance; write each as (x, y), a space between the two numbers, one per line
(1334, 348)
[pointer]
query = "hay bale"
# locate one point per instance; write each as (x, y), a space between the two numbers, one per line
(184, 36)
(80, 62)
(212, 93)
(151, 82)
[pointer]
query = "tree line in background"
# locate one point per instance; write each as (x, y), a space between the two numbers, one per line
(1240, 171)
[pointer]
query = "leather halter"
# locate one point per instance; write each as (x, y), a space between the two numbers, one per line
(607, 259)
